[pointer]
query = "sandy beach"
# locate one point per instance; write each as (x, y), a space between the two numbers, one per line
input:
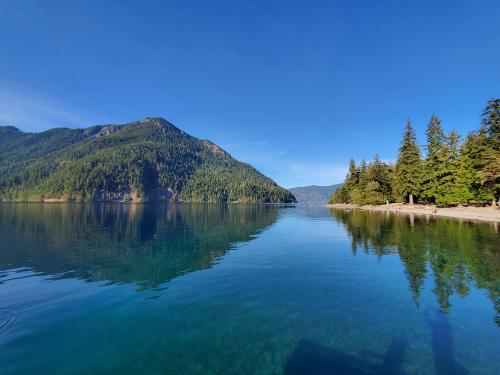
(490, 214)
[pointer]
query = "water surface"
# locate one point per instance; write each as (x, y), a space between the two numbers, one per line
(245, 289)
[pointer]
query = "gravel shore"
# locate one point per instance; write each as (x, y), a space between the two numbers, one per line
(491, 214)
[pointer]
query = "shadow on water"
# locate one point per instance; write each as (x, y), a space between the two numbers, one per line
(442, 344)
(311, 358)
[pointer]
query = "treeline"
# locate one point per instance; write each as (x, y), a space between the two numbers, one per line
(452, 172)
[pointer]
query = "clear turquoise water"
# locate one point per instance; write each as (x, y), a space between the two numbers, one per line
(242, 289)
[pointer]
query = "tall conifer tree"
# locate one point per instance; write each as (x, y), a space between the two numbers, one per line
(408, 167)
(489, 173)
(434, 162)
(481, 151)
(454, 180)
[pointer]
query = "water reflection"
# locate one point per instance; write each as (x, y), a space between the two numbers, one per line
(460, 255)
(292, 299)
(143, 244)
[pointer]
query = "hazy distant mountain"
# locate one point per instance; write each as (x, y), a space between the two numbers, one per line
(313, 193)
(145, 160)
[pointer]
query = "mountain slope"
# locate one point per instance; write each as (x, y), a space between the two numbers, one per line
(141, 161)
(313, 193)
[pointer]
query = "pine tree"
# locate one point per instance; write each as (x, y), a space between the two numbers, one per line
(481, 153)
(343, 193)
(352, 178)
(450, 174)
(408, 167)
(489, 173)
(364, 178)
(382, 174)
(472, 151)
(357, 194)
(491, 123)
(435, 158)
(454, 180)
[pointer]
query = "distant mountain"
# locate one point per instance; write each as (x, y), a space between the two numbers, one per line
(313, 193)
(146, 160)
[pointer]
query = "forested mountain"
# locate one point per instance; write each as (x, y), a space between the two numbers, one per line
(313, 193)
(452, 172)
(141, 161)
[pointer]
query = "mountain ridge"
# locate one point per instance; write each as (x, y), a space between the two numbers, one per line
(145, 160)
(313, 193)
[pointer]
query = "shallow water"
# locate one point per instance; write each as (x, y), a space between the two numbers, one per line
(245, 289)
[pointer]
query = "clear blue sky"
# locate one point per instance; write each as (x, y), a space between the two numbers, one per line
(296, 88)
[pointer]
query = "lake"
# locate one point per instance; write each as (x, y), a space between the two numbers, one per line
(245, 289)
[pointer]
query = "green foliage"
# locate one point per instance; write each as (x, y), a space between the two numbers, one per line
(446, 179)
(481, 153)
(366, 184)
(453, 179)
(146, 160)
(451, 173)
(433, 170)
(408, 167)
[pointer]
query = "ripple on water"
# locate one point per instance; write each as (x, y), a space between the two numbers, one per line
(7, 318)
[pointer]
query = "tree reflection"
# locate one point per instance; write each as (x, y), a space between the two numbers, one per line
(122, 243)
(457, 253)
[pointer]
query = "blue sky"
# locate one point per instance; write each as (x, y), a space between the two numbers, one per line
(296, 88)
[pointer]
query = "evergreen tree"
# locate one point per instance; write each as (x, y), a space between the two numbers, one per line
(481, 153)
(489, 173)
(382, 174)
(363, 173)
(372, 193)
(471, 153)
(358, 195)
(408, 167)
(352, 178)
(343, 193)
(453, 183)
(433, 164)
(461, 182)
(491, 123)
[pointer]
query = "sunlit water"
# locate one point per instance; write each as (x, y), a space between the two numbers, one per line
(242, 289)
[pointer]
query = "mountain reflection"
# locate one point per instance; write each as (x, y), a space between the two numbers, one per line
(142, 244)
(454, 253)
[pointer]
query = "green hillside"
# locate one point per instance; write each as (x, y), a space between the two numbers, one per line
(146, 160)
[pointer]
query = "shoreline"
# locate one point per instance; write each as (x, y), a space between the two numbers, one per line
(488, 214)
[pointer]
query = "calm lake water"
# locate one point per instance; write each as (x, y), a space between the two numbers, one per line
(245, 289)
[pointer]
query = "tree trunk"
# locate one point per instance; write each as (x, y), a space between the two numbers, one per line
(410, 198)
(494, 202)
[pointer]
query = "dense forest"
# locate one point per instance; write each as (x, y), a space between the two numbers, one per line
(142, 161)
(452, 172)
